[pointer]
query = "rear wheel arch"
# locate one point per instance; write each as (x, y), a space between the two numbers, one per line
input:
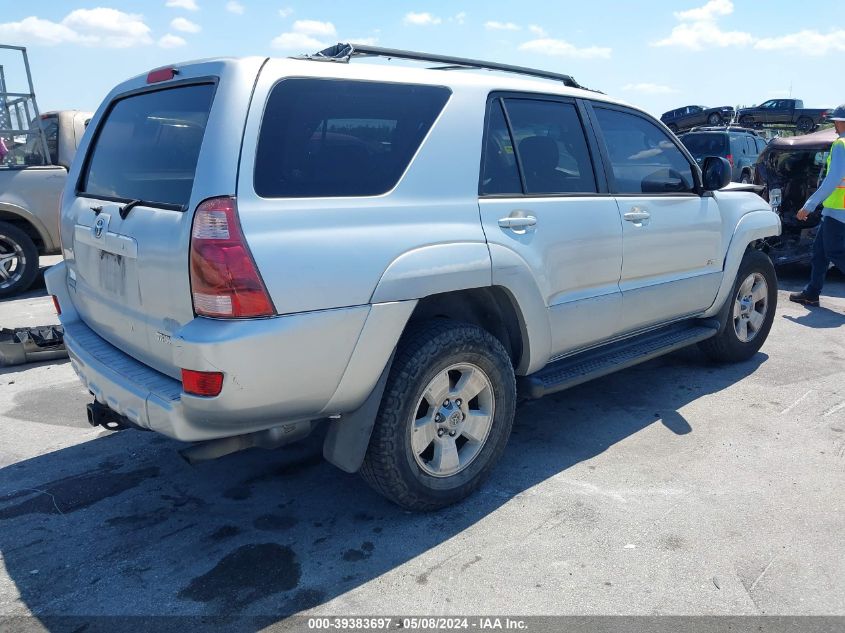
(491, 308)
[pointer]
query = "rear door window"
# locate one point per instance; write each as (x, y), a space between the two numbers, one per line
(328, 138)
(499, 173)
(551, 147)
(148, 145)
(704, 144)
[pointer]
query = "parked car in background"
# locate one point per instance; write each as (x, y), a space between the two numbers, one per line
(254, 248)
(690, 116)
(30, 186)
(782, 112)
(790, 170)
(739, 146)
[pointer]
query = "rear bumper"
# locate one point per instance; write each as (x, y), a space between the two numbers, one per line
(277, 370)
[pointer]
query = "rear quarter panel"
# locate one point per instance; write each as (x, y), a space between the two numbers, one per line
(321, 253)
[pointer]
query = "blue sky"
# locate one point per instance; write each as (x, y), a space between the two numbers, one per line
(656, 54)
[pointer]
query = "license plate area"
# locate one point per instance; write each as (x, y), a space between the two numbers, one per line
(112, 271)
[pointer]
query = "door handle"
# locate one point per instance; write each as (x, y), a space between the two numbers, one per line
(518, 222)
(637, 215)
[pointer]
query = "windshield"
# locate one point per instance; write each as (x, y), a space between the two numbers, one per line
(700, 145)
(148, 146)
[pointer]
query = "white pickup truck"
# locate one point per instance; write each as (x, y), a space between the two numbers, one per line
(30, 187)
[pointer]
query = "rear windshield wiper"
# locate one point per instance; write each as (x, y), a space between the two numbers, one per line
(126, 208)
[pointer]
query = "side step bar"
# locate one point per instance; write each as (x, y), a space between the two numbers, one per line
(579, 368)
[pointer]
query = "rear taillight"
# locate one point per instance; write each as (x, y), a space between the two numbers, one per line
(56, 304)
(730, 158)
(224, 280)
(202, 383)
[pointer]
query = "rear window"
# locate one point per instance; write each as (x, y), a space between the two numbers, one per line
(322, 137)
(705, 144)
(148, 145)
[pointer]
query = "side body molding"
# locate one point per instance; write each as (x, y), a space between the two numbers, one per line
(752, 226)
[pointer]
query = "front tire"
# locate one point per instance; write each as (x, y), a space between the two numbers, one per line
(445, 417)
(714, 119)
(748, 313)
(18, 260)
(805, 125)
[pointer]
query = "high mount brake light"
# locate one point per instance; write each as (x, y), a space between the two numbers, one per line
(224, 280)
(161, 74)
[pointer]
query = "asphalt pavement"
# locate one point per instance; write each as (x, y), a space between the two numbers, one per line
(676, 487)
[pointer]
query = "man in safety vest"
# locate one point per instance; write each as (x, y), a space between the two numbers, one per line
(829, 245)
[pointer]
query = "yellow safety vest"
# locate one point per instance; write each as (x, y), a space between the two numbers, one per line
(836, 200)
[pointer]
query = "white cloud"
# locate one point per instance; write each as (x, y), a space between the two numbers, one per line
(171, 41)
(100, 27)
(235, 7)
(186, 26)
(538, 31)
(298, 41)
(807, 42)
(501, 26)
(421, 19)
(562, 48)
(697, 36)
(314, 27)
(698, 29)
(709, 11)
(286, 12)
(649, 89)
(34, 30)
(304, 36)
(188, 5)
(460, 18)
(367, 41)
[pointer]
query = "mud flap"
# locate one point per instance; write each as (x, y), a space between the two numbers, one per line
(31, 345)
(349, 436)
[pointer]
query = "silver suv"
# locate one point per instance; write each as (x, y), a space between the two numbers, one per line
(255, 248)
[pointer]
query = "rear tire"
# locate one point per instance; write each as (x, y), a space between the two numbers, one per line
(714, 119)
(18, 260)
(748, 313)
(746, 121)
(422, 454)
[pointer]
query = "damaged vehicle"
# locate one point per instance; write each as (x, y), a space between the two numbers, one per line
(790, 169)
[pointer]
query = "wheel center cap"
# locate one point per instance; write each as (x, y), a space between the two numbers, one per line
(454, 419)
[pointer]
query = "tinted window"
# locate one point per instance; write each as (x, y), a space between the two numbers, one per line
(551, 147)
(642, 157)
(51, 131)
(751, 147)
(341, 138)
(147, 147)
(499, 172)
(703, 144)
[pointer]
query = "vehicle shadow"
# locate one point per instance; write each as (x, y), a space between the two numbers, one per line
(122, 526)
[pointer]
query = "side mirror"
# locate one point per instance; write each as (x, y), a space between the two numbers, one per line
(716, 173)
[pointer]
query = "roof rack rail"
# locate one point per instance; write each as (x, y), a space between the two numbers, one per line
(723, 128)
(344, 52)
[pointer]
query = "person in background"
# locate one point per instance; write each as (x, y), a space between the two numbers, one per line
(829, 245)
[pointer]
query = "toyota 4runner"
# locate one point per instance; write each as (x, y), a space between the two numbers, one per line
(256, 246)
